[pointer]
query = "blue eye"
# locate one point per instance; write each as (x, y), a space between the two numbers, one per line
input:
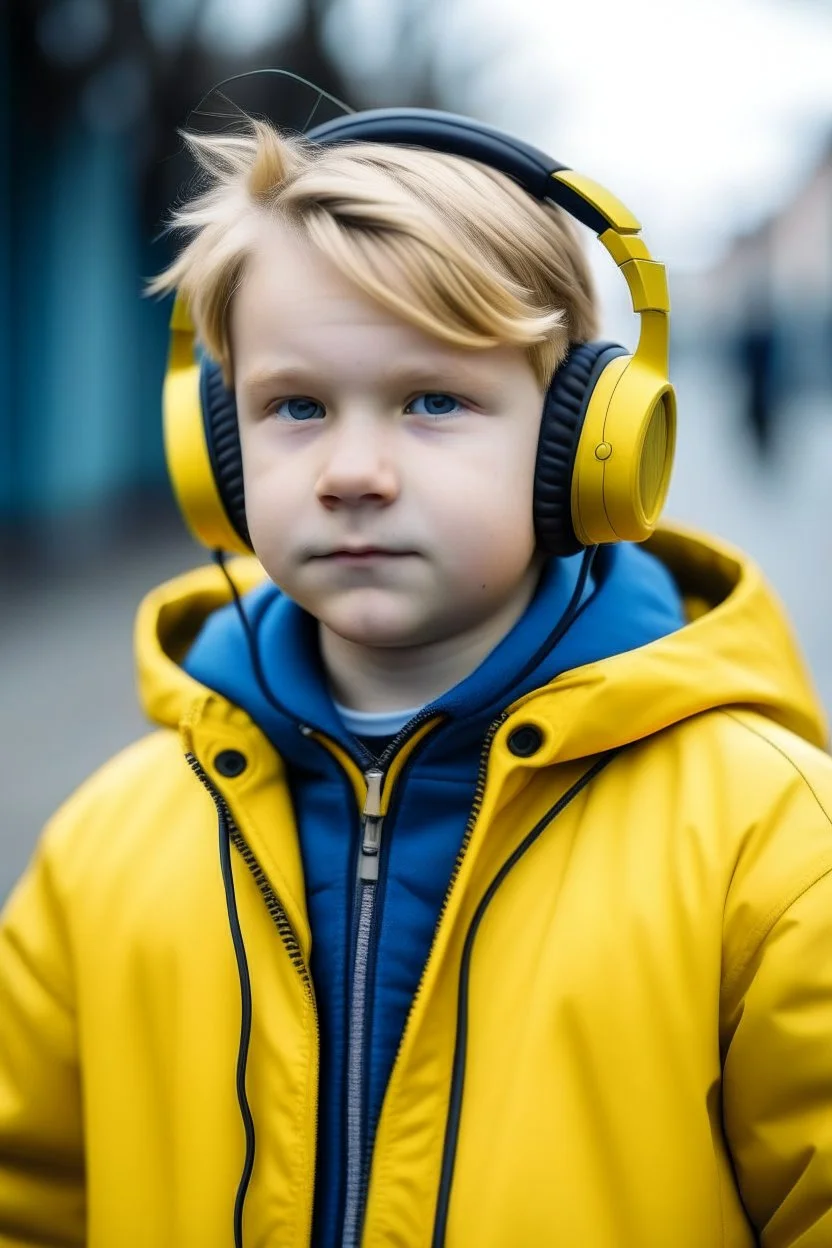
(300, 409)
(435, 405)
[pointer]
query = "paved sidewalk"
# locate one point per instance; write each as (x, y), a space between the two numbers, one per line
(66, 675)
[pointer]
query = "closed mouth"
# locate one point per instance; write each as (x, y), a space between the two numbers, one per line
(369, 554)
(362, 552)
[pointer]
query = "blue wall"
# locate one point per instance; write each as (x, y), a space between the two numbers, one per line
(82, 360)
(6, 407)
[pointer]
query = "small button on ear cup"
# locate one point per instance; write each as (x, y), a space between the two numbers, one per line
(564, 410)
(219, 412)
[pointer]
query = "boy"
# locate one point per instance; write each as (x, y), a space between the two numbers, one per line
(526, 855)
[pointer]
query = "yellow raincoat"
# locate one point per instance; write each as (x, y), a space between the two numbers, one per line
(623, 1035)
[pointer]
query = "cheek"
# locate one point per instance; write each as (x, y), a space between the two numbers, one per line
(271, 504)
(489, 493)
(270, 479)
(487, 532)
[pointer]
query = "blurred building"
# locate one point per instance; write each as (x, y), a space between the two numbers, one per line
(766, 309)
(753, 364)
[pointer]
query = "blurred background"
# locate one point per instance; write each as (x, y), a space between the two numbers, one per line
(711, 119)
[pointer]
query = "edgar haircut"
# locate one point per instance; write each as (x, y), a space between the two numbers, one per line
(449, 245)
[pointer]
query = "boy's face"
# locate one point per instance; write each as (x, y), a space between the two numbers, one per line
(388, 475)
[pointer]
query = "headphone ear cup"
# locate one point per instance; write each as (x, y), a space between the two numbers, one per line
(564, 409)
(222, 436)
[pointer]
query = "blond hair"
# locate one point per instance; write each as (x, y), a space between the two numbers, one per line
(449, 245)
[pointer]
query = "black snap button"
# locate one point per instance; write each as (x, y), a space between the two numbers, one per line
(525, 741)
(230, 763)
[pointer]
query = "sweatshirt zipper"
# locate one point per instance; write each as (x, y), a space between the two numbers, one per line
(473, 815)
(372, 822)
(284, 927)
(358, 1137)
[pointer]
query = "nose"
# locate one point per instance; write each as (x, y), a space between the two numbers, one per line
(358, 467)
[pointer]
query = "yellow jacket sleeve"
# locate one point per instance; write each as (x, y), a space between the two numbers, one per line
(42, 1198)
(777, 1083)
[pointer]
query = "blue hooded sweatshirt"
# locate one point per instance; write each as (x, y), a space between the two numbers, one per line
(627, 601)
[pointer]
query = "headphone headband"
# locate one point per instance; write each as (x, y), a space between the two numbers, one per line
(444, 132)
(456, 135)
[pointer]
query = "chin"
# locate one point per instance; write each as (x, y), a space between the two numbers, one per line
(376, 627)
(376, 636)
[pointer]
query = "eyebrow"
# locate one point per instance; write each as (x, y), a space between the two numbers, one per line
(413, 373)
(264, 378)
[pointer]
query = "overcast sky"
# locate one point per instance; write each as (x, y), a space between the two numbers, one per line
(701, 114)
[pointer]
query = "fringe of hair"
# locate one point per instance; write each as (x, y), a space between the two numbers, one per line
(453, 247)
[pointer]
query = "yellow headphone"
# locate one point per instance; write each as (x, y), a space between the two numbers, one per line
(608, 429)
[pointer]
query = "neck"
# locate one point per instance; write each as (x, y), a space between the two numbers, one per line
(391, 678)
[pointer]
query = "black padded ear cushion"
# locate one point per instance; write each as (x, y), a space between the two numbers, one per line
(564, 410)
(219, 413)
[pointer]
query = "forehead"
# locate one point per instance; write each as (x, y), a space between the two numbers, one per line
(294, 297)
(290, 288)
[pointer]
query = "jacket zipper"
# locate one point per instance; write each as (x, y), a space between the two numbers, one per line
(281, 921)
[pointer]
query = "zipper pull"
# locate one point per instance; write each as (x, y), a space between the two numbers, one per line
(371, 825)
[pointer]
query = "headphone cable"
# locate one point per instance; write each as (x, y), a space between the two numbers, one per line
(245, 1030)
(573, 610)
(237, 937)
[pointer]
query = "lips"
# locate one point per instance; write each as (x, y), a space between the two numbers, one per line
(360, 552)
